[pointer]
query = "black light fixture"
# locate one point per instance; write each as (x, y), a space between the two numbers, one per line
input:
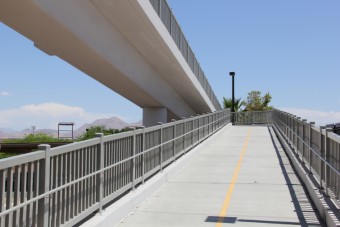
(232, 74)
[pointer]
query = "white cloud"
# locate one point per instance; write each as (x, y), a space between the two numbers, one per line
(320, 117)
(46, 115)
(5, 93)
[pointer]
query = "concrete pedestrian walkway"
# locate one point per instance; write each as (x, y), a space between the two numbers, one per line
(241, 177)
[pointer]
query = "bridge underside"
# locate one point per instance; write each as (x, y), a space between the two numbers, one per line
(122, 44)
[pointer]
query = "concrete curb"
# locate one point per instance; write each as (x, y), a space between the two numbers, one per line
(115, 213)
(320, 201)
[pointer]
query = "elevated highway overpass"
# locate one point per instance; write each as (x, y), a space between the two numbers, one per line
(134, 47)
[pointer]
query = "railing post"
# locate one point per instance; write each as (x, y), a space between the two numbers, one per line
(291, 134)
(160, 9)
(327, 151)
(161, 146)
(198, 128)
(143, 156)
(208, 128)
(183, 136)
(203, 128)
(294, 133)
(292, 124)
(133, 160)
(310, 135)
(290, 128)
(210, 125)
(44, 186)
(229, 116)
(304, 121)
(100, 177)
(174, 141)
(322, 154)
(286, 117)
(298, 122)
(192, 131)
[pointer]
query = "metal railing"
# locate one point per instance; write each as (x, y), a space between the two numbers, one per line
(252, 117)
(317, 147)
(164, 12)
(63, 185)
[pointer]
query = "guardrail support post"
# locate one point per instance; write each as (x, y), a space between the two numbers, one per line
(288, 128)
(174, 141)
(161, 146)
(44, 186)
(327, 151)
(192, 131)
(133, 160)
(203, 128)
(292, 131)
(311, 124)
(284, 118)
(294, 134)
(183, 135)
(304, 121)
(143, 156)
(322, 154)
(100, 177)
(298, 151)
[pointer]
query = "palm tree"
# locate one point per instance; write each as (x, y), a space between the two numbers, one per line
(228, 103)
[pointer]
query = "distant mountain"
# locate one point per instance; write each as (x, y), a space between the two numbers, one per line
(113, 122)
(7, 130)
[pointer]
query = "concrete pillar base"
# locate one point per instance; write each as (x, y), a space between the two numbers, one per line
(153, 115)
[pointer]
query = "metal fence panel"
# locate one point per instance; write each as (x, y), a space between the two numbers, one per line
(166, 15)
(61, 186)
(156, 5)
(317, 148)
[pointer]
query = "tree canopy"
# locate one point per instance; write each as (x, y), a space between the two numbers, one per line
(34, 138)
(256, 102)
(91, 132)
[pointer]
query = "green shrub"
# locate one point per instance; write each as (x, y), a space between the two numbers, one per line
(35, 138)
(91, 132)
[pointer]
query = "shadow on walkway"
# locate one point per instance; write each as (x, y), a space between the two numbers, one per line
(306, 213)
(304, 209)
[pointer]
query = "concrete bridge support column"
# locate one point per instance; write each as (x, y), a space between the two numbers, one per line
(153, 115)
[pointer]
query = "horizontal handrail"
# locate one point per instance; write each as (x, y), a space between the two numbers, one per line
(304, 137)
(94, 173)
(311, 148)
(86, 163)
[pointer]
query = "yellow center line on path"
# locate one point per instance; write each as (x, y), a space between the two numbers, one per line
(226, 202)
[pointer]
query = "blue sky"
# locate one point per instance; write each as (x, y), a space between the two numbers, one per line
(286, 47)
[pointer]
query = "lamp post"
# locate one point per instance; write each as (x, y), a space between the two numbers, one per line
(232, 74)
